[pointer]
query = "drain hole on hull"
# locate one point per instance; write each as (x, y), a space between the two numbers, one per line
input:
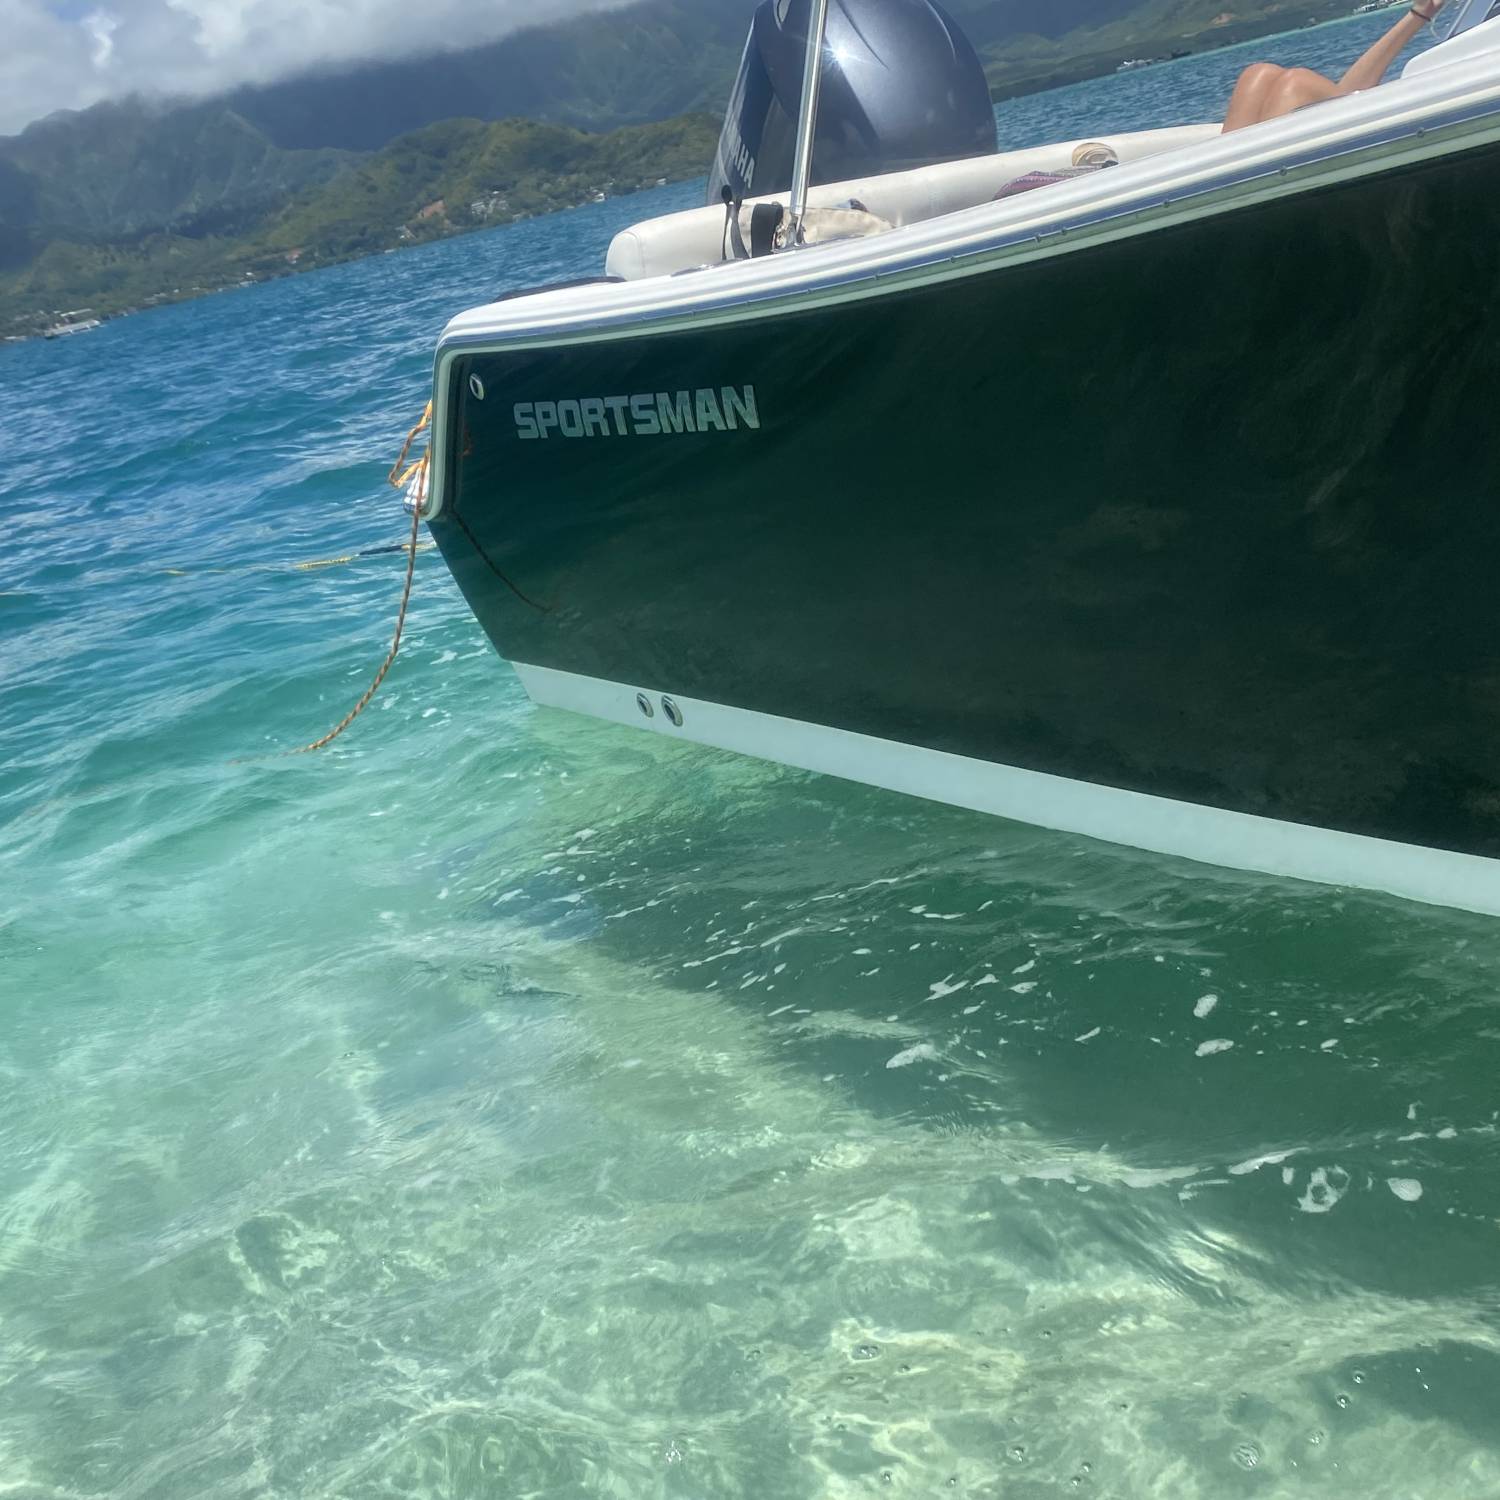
(643, 703)
(673, 713)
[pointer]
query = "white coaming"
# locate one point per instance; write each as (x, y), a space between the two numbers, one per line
(1338, 141)
(1403, 107)
(1482, 39)
(674, 241)
(688, 239)
(1162, 825)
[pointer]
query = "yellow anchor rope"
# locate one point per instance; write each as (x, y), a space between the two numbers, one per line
(411, 477)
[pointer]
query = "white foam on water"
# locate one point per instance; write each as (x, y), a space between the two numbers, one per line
(946, 987)
(921, 1052)
(1326, 1186)
(1255, 1163)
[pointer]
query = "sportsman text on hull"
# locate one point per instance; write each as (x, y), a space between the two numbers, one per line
(647, 414)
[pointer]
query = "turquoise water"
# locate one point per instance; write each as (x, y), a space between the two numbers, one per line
(502, 1104)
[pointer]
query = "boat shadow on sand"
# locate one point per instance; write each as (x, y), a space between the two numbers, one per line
(1250, 1047)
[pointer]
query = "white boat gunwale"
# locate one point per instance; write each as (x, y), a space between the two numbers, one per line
(1447, 111)
(1443, 109)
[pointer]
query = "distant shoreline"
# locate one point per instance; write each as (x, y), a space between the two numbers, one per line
(286, 273)
(447, 179)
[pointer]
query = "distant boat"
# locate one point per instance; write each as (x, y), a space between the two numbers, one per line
(1131, 64)
(1155, 505)
(60, 330)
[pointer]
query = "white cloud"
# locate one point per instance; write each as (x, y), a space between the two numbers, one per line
(58, 55)
(100, 26)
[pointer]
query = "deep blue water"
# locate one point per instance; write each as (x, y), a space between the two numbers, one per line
(502, 1104)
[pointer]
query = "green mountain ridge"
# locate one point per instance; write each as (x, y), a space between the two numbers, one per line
(448, 178)
(122, 168)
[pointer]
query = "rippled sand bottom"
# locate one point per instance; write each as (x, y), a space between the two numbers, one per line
(694, 1128)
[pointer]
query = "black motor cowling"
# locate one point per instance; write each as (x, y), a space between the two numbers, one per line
(902, 87)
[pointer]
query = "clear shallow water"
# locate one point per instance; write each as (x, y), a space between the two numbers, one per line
(503, 1104)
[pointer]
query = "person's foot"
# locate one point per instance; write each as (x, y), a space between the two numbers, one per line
(1095, 154)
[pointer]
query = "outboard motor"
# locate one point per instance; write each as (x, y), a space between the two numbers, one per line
(902, 87)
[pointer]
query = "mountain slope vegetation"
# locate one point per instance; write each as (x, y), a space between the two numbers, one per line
(445, 179)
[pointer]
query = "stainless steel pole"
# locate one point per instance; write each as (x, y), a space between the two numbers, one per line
(807, 121)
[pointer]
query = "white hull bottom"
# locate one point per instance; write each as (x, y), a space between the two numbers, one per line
(1188, 830)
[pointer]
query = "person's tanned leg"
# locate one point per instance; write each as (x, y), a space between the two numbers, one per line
(1298, 88)
(1247, 104)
